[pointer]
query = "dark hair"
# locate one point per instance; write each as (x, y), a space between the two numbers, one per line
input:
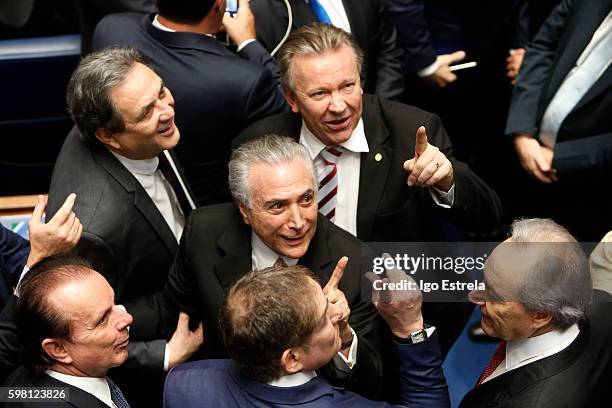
(265, 313)
(185, 11)
(88, 93)
(36, 316)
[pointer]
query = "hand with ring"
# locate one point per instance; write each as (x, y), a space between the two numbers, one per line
(429, 167)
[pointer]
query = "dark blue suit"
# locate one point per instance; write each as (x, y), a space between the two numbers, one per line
(217, 93)
(14, 252)
(218, 383)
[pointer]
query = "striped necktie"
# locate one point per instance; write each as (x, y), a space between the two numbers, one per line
(319, 11)
(328, 183)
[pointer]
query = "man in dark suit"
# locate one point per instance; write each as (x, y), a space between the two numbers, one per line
(381, 72)
(218, 93)
(538, 291)
(59, 235)
(279, 327)
(559, 117)
(72, 333)
(274, 220)
(132, 199)
(373, 199)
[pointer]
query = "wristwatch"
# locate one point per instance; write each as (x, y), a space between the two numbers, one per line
(415, 337)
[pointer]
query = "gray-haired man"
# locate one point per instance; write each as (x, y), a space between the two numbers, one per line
(274, 219)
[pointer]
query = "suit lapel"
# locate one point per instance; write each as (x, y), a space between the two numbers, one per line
(374, 166)
(235, 243)
(318, 258)
(354, 13)
(142, 201)
(302, 14)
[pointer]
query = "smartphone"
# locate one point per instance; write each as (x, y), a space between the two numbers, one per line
(231, 6)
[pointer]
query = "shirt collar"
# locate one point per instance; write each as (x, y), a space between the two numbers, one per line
(293, 380)
(548, 343)
(357, 143)
(98, 387)
(159, 25)
(145, 167)
(263, 256)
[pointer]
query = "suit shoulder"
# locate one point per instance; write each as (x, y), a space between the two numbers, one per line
(395, 109)
(214, 215)
(187, 383)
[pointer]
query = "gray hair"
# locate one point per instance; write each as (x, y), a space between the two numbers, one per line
(559, 282)
(314, 39)
(88, 94)
(269, 149)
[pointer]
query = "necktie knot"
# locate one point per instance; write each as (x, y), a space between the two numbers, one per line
(331, 155)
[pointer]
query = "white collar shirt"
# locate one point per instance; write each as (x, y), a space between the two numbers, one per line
(293, 380)
(158, 189)
(262, 256)
(98, 387)
(526, 351)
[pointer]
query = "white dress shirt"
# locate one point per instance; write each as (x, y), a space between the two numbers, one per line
(294, 380)
(349, 171)
(161, 192)
(262, 256)
(526, 351)
(98, 387)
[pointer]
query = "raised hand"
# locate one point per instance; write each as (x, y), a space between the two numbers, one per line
(336, 298)
(429, 167)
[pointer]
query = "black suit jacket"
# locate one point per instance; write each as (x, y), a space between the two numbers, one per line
(584, 141)
(216, 92)
(577, 377)
(387, 209)
(14, 251)
(26, 377)
(381, 72)
(215, 251)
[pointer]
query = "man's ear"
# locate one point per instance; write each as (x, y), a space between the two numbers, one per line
(291, 360)
(541, 319)
(245, 213)
(56, 350)
(291, 99)
(107, 137)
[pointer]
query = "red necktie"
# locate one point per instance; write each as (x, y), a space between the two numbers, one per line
(498, 357)
(328, 185)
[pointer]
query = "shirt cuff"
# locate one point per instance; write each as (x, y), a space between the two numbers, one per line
(244, 44)
(444, 199)
(427, 71)
(166, 358)
(351, 360)
(26, 269)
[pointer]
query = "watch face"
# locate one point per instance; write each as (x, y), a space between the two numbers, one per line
(418, 336)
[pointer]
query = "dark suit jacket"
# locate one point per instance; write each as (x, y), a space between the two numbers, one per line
(427, 28)
(25, 377)
(215, 251)
(387, 209)
(422, 379)
(584, 141)
(14, 252)
(125, 237)
(216, 92)
(381, 72)
(576, 377)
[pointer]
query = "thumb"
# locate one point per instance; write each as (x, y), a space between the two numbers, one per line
(183, 322)
(541, 163)
(421, 142)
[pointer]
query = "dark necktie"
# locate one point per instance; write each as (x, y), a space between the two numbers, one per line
(498, 357)
(116, 395)
(280, 263)
(166, 169)
(319, 11)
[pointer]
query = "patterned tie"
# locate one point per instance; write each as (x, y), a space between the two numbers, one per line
(117, 395)
(498, 357)
(328, 183)
(319, 11)
(171, 177)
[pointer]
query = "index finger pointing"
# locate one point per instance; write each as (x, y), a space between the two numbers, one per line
(336, 276)
(39, 209)
(421, 141)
